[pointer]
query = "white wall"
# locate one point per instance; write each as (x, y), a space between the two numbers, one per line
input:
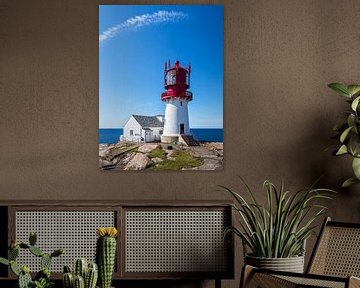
(132, 124)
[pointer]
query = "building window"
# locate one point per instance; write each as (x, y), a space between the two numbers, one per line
(160, 132)
(131, 132)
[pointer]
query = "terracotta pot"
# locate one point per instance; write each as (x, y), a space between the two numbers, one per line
(291, 264)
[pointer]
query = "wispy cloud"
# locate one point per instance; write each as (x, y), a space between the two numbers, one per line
(142, 20)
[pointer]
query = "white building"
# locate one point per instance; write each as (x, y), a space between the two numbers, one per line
(141, 128)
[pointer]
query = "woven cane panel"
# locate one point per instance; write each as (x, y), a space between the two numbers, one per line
(74, 231)
(308, 282)
(175, 241)
(338, 253)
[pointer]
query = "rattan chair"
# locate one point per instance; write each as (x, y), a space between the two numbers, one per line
(334, 263)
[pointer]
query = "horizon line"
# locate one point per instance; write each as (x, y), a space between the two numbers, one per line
(190, 128)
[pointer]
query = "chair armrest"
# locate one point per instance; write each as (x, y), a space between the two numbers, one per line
(254, 277)
(354, 282)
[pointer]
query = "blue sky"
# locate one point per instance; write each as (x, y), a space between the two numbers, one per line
(134, 43)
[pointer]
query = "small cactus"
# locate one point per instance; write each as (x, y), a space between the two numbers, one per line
(80, 268)
(68, 280)
(106, 254)
(91, 276)
(79, 282)
(89, 272)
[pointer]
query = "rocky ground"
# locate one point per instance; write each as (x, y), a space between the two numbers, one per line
(157, 156)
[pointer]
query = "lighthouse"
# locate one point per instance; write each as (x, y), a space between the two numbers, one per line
(176, 99)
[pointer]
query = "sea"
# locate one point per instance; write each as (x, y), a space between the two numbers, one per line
(109, 136)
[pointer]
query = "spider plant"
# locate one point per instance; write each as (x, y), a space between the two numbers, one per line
(279, 229)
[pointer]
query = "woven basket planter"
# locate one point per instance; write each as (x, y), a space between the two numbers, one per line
(291, 264)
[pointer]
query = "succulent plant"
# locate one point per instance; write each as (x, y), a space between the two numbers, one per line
(42, 278)
(85, 275)
(106, 254)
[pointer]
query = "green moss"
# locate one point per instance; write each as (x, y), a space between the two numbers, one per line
(157, 153)
(182, 159)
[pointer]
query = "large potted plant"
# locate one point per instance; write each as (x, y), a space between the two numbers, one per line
(348, 133)
(275, 233)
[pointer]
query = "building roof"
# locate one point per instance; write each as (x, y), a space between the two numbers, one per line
(148, 121)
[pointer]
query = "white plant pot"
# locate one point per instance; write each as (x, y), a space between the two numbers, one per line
(291, 264)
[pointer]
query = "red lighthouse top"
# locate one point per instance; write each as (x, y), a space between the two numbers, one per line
(176, 82)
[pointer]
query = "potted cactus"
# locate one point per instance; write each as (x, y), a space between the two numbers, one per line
(106, 254)
(85, 275)
(42, 278)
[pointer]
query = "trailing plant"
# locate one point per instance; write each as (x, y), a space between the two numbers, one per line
(348, 132)
(42, 278)
(85, 275)
(279, 229)
(106, 254)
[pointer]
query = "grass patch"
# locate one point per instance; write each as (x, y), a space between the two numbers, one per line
(183, 159)
(157, 153)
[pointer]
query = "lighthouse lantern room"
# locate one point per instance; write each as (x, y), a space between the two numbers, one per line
(176, 98)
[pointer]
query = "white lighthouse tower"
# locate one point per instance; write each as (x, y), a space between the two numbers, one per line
(176, 98)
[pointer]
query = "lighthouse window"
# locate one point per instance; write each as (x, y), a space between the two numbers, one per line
(160, 132)
(180, 103)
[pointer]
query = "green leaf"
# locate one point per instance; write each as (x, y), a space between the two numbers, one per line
(341, 127)
(355, 103)
(345, 134)
(340, 88)
(349, 182)
(4, 261)
(356, 167)
(342, 150)
(351, 120)
(353, 89)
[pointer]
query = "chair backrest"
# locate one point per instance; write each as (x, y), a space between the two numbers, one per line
(337, 251)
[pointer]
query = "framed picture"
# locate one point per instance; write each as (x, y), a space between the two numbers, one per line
(160, 87)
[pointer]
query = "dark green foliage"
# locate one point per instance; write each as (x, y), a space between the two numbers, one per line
(32, 239)
(57, 252)
(348, 132)
(24, 245)
(105, 258)
(44, 273)
(13, 253)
